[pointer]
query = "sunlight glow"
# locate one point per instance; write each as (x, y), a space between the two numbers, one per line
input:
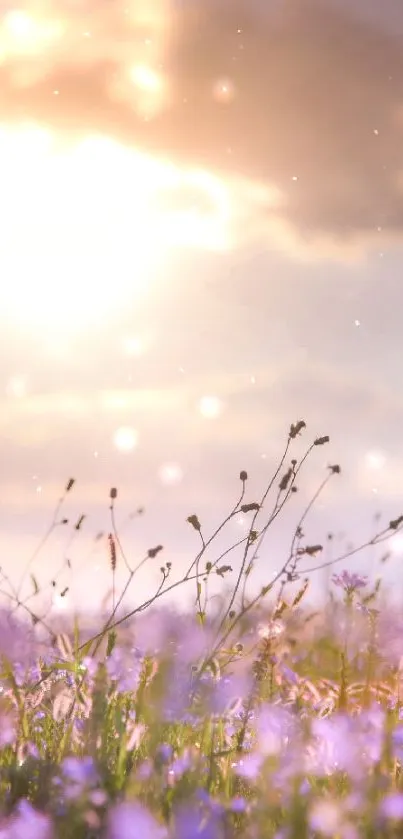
(133, 345)
(16, 387)
(24, 34)
(375, 460)
(210, 407)
(396, 544)
(97, 221)
(146, 78)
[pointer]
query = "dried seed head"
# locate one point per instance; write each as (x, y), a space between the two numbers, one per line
(295, 429)
(112, 551)
(152, 552)
(194, 521)
(285, 480)
(248, 508)
(79, 523)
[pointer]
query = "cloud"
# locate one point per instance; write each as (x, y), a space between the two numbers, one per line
(313, 110)
(100, 221)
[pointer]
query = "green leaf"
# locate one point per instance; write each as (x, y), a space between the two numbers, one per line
(111, 642)
(59, 665)
(64, 645)
(86, 648)
(76, 638)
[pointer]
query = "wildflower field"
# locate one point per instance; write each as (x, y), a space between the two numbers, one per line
(261, 718)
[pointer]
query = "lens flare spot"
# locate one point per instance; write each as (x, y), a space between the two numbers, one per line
(125, 439)
(210, 407)
(170, 474)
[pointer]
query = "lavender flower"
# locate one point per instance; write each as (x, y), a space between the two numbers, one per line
(344, 744)
(350, 582)
(28, 823)
(181, 765)
(8, 731)
(16, 643)
(132, 821)
(190, 824)
(125, 668)
(248, 766)
(80, 775)
(392, 806)
(277, 728)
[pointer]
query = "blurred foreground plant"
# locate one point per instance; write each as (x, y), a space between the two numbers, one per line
(261, 720)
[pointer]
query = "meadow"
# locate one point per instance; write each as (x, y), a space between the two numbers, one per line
(255, 716)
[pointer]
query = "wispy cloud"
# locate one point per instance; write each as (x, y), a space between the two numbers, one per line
(303, 100)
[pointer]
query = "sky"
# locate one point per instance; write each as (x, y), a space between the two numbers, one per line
(201, 229)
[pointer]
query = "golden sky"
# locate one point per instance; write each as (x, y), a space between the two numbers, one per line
(200, 242)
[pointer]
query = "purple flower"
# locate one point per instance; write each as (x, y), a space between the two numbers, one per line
(163, 630)
(190, 824)
(80, 774)
(345, 744)
(226, 694)
(203, 821)
(98, 797)
(27, 823)
(80, 770)
(289, 675)
(397, 742)
(249, 766)
(132, 821)
(349, 581)
(178, 692)
(7, 730)
(90, 665)
(145, 770)
(392, 806)
(26, 750)
(238, 805)
(125, 668)
(164, 752)
(211, 803)
(181, 765)
(332, 748)
(277, 728)
(305, 787)
(151, 631)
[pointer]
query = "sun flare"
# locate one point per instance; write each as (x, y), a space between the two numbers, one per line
(87, 226)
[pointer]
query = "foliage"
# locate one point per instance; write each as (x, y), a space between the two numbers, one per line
(263, 720)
